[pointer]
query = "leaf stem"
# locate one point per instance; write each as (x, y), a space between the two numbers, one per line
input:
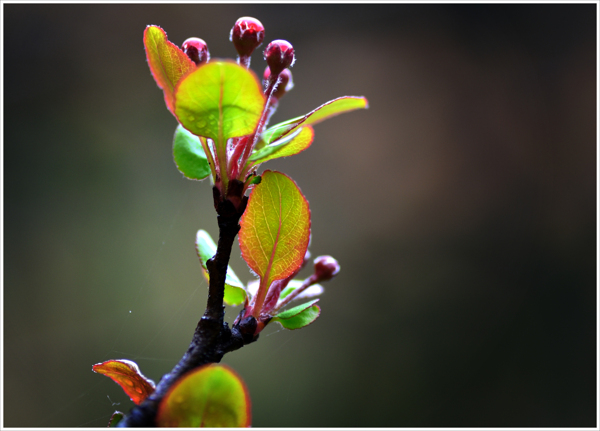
(260, 126)
(305, 285)
(209, 156)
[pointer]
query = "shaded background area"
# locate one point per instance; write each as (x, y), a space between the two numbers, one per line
(461, 207)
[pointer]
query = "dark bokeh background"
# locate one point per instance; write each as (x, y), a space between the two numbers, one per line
(461, 206)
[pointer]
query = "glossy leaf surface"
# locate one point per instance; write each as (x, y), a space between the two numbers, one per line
(327, 110)
(219, 100)
(127, 375)
(299, 316)
(189, 155)
(211, 396)
(285, 147)
(234, 288)
(275, 228)
(167, 62)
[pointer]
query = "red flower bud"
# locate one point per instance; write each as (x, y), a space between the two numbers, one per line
(286, 82)
(247, 34)
(326, 267)
(197, 50)
(279, 55)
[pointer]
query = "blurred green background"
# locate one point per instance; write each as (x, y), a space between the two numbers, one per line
(461, 207)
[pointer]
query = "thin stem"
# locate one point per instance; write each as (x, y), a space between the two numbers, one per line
(244, 60)
(261, 123)
(209, 156)
(259, 298)
(305, 285)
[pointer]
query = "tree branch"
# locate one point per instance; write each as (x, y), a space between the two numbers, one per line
(212, 337)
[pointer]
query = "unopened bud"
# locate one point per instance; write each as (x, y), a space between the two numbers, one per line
(285, 82)
(197, 50)
(247, 34)
(279, 55)
(326, 267)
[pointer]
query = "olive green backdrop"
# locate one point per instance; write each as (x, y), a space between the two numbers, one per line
(461, 207)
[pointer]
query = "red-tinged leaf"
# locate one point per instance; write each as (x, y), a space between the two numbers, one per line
(275, 230)
(127, 375)
(211, 396)
(332, 108)
(285, 147)
(167, 62)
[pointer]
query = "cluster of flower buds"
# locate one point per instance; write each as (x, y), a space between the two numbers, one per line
(247, 34)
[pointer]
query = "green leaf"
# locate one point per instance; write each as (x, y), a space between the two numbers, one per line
(275, 228)
(211, 396)
(115, 419)
(291, 144)
(327, 110)
(235, 293)
(189, 155)
(127, 374)
(335, 107)
(281, 129)
(167, 62)
(299, 316)
(219, 100)
(255, 179)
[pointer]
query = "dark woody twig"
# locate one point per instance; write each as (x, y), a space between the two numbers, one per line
(212, 337)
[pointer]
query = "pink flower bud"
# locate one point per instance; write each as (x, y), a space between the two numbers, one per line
(247, 34)
(197, 50)
(285, 82)
(279, 55)
(326, 267)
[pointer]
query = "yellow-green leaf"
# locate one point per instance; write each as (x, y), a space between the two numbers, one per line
(326, 110)
(275, 228)
(167, 62)
(219, 100)
(211, 396)
(285, 147)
